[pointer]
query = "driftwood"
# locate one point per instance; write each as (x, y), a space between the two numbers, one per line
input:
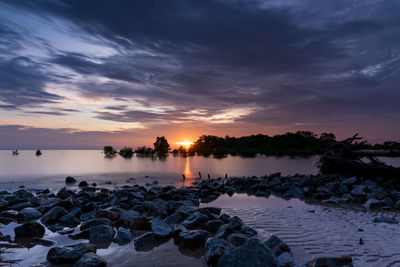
(347, 158)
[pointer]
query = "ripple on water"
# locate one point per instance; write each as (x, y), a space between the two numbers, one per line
(328, 231)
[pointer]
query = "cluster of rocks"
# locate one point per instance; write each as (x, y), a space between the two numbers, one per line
(333, 189)
(148, 216)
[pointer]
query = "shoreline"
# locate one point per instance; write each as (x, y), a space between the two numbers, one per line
(165, 212)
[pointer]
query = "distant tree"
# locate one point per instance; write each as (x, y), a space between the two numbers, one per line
(38, 152)
(161, 145)
(109, 152)
(126, 152)
(327, 139)
(144, 151)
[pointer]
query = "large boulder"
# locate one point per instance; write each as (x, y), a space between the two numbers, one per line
(253, 254)
(30, 214)
(29, 230)
(345, 261)
(101, 235)
(69, 254)
(90, 259)
(195, 221)
(192, 239)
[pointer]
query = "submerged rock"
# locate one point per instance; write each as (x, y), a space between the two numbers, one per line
(90, 259)
(69, 254)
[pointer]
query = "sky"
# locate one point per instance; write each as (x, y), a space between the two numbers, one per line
(84, 74)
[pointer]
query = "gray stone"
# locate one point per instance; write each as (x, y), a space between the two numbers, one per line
(238, 239)
(101, 235)
(123, 237)
(90, 259)
(94, 222)
(173, 219)
(69, 254)
(30, 214)
(285, 260)
(145, 242)
(53, 215)
(192, 239)
(236, 223)
(248, 230)
(253, 253)
(373, 204)
(29, 230)
(160, 228)
(129, 214)
(70, 180)
(215, 248)
(195, 220)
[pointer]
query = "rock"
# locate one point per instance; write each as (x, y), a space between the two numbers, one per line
(237, 239)
(80, 235)
(112, 215)
(224, 231)
(42, 242)
(344, 261)
(91, 259)
(123, 237)
(215, 248)
(125, 215)
(94, 222)
(213, 225)
(101, 235)
(69, 254)
(397, 205)
(350, 181)
(69, 220)
(53, 215)
(83, 183)
(160, 228)
(373, 204)
(192, 239)
(195, 220)
(70, 180)
(236, 223)
(359, 191)
(185, 210)
(248, 230)
(30, 214)
(385, 220)
(139, 223)
(276, 245)
(285, 260)
(173, 219)
(29, 230)
(252, 253)
(145, 242)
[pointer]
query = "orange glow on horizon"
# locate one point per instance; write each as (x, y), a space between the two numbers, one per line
(186, 144)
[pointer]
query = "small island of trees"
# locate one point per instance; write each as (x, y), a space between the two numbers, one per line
(301, 143)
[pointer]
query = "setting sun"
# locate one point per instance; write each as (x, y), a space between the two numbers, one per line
(186, 144)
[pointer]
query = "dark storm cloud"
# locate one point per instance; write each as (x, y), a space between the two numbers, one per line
(22, 82)
(305, 61)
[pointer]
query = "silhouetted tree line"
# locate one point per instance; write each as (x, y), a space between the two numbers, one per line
(301, 143)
